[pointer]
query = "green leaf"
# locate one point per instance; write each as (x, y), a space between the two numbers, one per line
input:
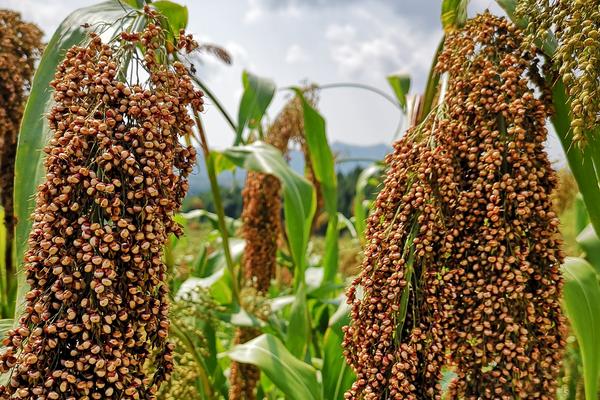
(337, 375)
(298, 194)
(176, 15)
(323, 163)
(232, 224)
(401, 85)
(360, 211)
(454, 14)
(258, 94)
(431, 87)
(34, 131)
(299, 329)
(296, 379)
(6, 297)
(582, 304)
(590, 243)
(584, 163)
(582, 218)
(139, 4)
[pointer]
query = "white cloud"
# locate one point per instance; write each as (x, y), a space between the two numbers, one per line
(259, 10)
(381, 48)
(254, 12)
(296, 54)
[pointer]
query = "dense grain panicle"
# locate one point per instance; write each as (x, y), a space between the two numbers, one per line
(576, 28)
(261, 217)
(393, 342)
(116, 172)
(20, 48)
(462, 262)
(504, 333)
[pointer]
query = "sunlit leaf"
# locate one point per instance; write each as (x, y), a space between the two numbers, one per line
(337, 374)
(299, 328)
(176, 15)
(581, 294)
(590, 243)
(323, 164)
(296, 379)
(454, 14)
(258, 93)
(298, 194)
(400, 83)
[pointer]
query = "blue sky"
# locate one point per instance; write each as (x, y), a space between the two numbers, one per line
(294, 41)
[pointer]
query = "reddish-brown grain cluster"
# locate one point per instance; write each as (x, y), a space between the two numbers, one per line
(96, 317)
(393, 342)
(20, 47)
(465, 222)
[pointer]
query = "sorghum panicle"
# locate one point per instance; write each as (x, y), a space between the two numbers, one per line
(505, 330)
(115, 174)
(396, 358)
(463, 242)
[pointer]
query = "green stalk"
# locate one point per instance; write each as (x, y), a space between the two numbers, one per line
(220, 211)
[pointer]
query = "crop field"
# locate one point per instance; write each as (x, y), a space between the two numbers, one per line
(139, 260)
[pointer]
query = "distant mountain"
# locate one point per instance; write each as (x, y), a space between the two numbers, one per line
(348, 156)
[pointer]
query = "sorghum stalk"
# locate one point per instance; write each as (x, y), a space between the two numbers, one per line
(20, 47)
(96, 321)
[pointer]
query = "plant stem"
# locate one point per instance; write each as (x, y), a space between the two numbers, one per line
(214, 187)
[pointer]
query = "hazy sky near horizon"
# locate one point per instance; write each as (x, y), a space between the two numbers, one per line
(295, 41)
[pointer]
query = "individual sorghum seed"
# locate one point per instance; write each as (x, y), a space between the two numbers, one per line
(101, 299)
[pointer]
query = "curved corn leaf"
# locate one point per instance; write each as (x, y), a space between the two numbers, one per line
(176, 15)
(298, 194)
(323, 164)
(584, 163)
(296, 379)
(258, 93)
(581, 294)
(582, 218)
(34, 131)
(299, 328)
(337, 374)
(400, 83)
(454, 14)
(360, 210)
(590, 243)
